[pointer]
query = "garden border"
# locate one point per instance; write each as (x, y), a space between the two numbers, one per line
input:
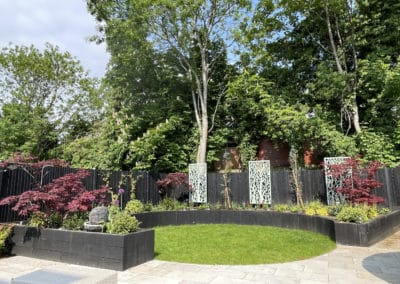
(101, 250)
(364, 234)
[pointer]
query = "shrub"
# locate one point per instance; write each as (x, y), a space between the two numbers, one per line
(122, 223)
(355, 214)
(281, 207)
(174, 181)
(383, 211)
(358, 186)
(134, 206)
(56, 199)
(38, 219)
(148, 207)
(316, 208)
(334, 209)
(5, 234)
(169, 204)
(74, 221)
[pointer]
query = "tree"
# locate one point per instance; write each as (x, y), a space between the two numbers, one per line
(182, 28)
(41, 92)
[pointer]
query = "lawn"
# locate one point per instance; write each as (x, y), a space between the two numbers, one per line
(237, 244)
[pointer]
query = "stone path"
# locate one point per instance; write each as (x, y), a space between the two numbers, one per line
(379, 263)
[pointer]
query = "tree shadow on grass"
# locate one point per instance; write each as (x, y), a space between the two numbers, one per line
(385, 266)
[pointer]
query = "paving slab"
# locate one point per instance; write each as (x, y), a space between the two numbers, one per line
(379, 263)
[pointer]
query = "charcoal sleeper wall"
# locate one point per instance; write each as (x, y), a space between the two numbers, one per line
(344, 233)
(109, 251)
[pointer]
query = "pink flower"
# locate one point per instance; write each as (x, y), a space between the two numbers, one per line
(121, 191)
(116, 202)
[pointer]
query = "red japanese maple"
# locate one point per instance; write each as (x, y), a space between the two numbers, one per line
(358, 182)
(63, 195)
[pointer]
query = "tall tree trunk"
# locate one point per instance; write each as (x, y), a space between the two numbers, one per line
(355, 118)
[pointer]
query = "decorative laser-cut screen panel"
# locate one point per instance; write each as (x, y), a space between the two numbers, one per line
(332, 183)
(260, 182)
(198, 181)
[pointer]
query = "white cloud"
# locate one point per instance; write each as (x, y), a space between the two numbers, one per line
(65, 23)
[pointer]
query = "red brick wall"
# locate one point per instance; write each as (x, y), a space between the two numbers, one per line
(277, 153)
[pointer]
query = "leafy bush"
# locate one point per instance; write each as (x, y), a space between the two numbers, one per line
(134, 206)
(5, 234)
(169, 204)
(384, 211)
(282, 207)
(148, 207)
(62, 196)
(316, 208)
(358, 186)
(334, 210)
(38, 219)
(355, 214)
(122, 223)
(173, 182)
(74, 221)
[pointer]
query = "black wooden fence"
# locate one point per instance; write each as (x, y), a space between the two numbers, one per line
(14, 182)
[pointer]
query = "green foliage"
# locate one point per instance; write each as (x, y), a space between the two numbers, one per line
(316, 208)
(74, 221)
(41, 93)
(354, 214)
(169, 204)
(5, 233)
(122, 223)
(38, 219)
(160, 148)
(55, 220)
(334, 210)
(379, 147)
(134, 206)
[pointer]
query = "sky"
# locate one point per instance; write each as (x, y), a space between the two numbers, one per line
(65, 23)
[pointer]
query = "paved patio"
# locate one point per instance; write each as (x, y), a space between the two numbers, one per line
(379, 263)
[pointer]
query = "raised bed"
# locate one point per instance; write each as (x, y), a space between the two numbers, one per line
(368, 233)
(102, 250)
(343, 233)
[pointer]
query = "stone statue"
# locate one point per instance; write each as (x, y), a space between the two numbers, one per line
(98, 216)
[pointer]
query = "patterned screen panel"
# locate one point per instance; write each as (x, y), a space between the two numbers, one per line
(260, 182)
(198, 181)
(331, 182)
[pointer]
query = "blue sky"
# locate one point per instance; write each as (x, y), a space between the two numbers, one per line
(65, 23)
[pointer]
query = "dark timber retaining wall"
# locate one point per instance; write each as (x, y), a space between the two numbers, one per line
(109, 251)
(344, 233)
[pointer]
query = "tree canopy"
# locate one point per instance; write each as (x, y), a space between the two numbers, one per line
(188, 78)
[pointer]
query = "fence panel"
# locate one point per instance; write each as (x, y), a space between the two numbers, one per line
(280, 189)
(239, 186)
(313, 185)
(15, 181)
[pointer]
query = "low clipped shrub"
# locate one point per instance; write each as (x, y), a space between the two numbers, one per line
(316, 208)
(122, 223)
(282, 207)
(354, 214)
(38, 219)
(384, 211)
(170, 204)
(5, 234)
(134, 206)
(333, 210)
(74, 221)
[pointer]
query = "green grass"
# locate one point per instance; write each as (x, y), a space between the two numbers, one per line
(237, 244)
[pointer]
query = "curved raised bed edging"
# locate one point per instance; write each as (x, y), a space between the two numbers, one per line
(101, 250)
(343, 233)
(316, 224)
(369, 233)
